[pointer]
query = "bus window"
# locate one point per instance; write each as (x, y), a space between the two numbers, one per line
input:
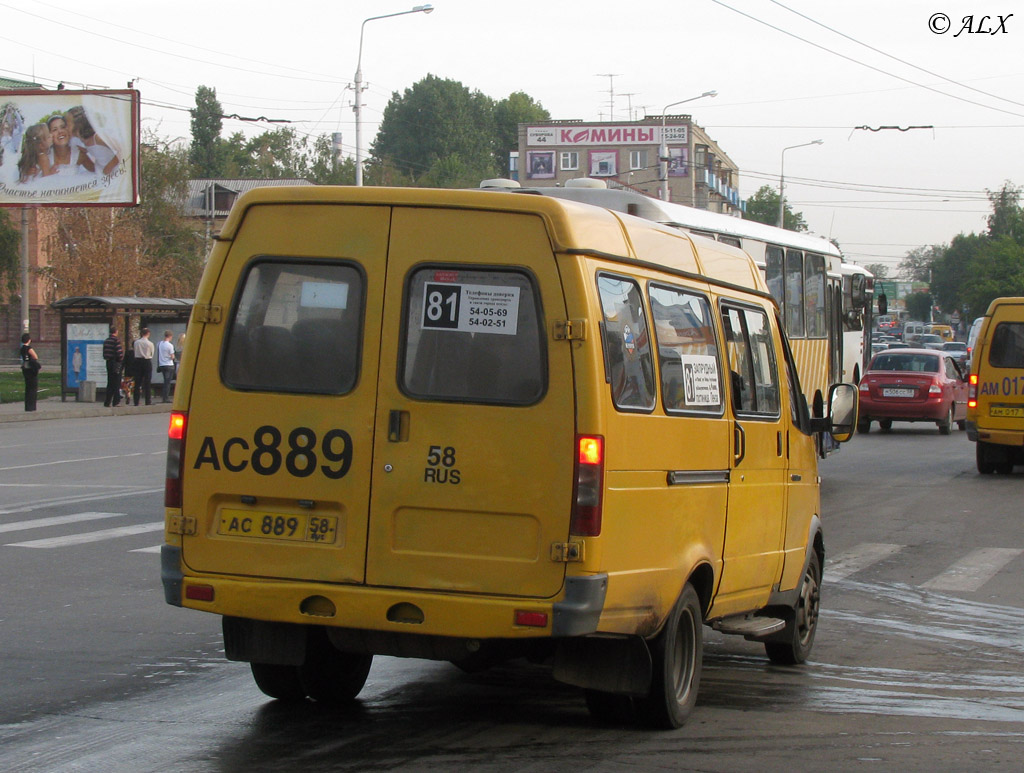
(627, 344)
(773, 274)
(729, 240)
(814, 295)
(687, 351)
(795, 294)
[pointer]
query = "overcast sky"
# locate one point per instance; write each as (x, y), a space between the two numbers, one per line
(786, 73)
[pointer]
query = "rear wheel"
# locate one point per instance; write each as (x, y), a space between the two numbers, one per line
(798, 636)
(277, 681)
(677, 654)
(610, 709)
(946, 425)
(329, 675)
(983, 457)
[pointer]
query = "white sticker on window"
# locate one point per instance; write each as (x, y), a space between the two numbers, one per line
(700, 379)
(324, 295)
(470, 308)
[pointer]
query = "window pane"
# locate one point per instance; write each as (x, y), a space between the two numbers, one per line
(766, 380)
(296, 328)
(473, 335)
(1007, 345)
(773, 259)
(795, 293)
(814, 295)
(687, 351)
(627, 343)
(754, 375)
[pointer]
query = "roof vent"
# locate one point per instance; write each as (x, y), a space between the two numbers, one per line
(585, 182)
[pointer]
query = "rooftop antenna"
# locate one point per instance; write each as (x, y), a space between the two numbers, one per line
(611, 76)
(629, 104)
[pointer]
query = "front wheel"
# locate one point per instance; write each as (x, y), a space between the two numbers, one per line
(863, 426)
(885, 425)
(796, 640)
(677, 655)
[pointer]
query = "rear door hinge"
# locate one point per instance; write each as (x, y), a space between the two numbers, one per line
(570, 330)
(209, 313)
(566, 552)
(181, 524)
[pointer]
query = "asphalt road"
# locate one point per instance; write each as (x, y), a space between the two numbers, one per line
(918, 663)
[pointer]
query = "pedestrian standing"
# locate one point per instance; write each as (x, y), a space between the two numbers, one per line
(144, 351)
(165, 364)
(113, 355)
(30, 368)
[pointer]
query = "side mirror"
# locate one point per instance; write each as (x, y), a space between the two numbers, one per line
(842, 411)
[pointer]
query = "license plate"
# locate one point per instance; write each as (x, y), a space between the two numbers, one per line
(278, 526)
(893, 392)
(1007, 411)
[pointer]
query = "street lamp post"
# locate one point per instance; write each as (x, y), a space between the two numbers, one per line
(357, 107)
(663, 148)
(782, 179)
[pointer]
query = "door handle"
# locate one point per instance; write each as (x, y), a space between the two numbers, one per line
(398, 426)
(740, 448)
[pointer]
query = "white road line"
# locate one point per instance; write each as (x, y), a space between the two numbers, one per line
(155, 549)
(856, 558)
(68, 461)
(92, 536)
(39, 504)
(57, 520)
(973, 570)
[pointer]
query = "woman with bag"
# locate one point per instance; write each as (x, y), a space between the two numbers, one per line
(30, 368)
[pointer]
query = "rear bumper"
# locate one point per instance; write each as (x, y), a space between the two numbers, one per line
(574, 613)
(929, 410)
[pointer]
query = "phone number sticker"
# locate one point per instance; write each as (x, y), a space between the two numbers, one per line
(470, 308)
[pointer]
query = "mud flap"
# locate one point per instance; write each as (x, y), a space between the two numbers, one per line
(612, 665)
(257, 641)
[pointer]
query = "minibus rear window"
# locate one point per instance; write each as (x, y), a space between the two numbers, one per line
(296, 328)
(473, 335)
(1007, 350)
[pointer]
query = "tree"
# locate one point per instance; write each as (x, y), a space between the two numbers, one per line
(763, 207)
(919, 306)
(207, 152)
(1007, 218)
(434, 119)
(10, 257)
(880, 270)
(518, 107)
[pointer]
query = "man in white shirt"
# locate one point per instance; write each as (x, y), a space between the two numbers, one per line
(165, 364)
(143, 349)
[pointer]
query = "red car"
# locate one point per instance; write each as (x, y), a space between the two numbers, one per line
(913, 385)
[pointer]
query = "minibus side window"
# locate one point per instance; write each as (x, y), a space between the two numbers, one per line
(297, 327)
(754, 373)
(473, 334)
(1007, 350)
(687, 351)
(627, 344)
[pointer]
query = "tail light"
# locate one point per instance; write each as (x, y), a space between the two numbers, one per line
(589, 488)
(175, 458)
(972, 391)
(935, 388)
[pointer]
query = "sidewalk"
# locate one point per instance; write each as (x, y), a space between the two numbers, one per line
(54, 408)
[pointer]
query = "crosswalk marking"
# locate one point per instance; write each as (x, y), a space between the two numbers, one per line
(91, 536)
(973, 570)
(57, 520)
(858, 558)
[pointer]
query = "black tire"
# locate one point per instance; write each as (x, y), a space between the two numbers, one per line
(330, 676)
(280, 682)
(794, 646)
(961, 425)
(864, 426)
(946, 425)
(983, 457)
(677, 655)
(610, 709)
(885, 425)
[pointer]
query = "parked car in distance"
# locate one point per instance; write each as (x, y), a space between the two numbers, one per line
(960, 353)
(913, 385)
(930, 341)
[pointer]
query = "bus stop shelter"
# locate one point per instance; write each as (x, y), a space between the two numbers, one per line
(85, 323)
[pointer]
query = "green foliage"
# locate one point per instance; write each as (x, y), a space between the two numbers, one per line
(1007, 218)
(434, 120)
(12, 385)
(10, 256)
(880, 270)
(518, 107)
(763, 207)
(207, 151)
(919, 306)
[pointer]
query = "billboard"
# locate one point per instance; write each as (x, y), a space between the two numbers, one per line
(69, 148)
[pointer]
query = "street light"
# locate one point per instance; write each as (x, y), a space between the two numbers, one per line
(663, 148)
(357, 108)
(782, 179)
